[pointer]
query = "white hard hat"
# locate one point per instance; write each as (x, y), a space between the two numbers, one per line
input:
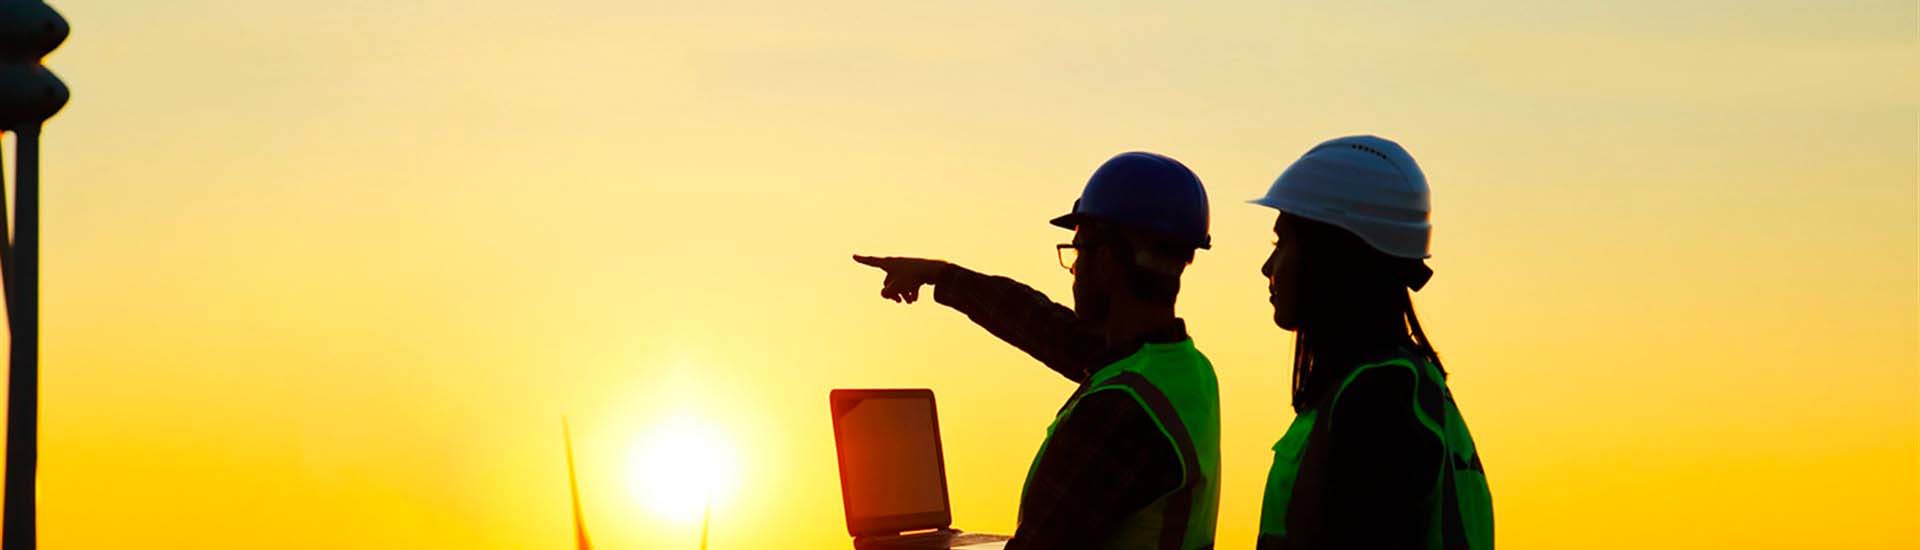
(1364, 184)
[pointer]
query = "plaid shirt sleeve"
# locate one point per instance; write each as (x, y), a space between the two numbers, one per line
(1025, 318)
(1104, 463)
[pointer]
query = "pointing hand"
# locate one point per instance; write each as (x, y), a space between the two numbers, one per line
(905, 275)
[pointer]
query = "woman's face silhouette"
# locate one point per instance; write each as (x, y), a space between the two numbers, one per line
(1282, 270)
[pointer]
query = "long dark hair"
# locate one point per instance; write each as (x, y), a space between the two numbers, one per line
(1354, 306)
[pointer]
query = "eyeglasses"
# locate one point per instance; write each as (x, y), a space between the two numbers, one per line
(1068, 253)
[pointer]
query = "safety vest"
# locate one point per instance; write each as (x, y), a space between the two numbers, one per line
(1176, 386)
(1461, 506)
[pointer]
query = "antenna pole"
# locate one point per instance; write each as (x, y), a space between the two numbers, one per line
(23, 376)
(29, 93)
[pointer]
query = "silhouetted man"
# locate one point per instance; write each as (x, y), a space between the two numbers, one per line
(1132, 460)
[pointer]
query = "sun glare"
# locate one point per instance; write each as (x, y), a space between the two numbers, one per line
(682, 467)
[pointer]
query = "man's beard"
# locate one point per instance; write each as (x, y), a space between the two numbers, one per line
(1091, 306)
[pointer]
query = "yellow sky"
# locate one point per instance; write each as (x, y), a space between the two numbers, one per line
(325, 274)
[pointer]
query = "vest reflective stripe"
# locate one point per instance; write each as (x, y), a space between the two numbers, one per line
(1175, 385)
(1460, 501)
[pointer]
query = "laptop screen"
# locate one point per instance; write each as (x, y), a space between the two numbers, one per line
(891, 473)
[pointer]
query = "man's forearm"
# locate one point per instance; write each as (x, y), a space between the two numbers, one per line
(1023, 317)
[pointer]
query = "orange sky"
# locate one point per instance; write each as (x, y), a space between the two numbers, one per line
(325, 275)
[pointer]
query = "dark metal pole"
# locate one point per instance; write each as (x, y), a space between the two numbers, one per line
(29, 93)
(23, 379)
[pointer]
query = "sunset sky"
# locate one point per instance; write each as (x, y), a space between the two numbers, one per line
(328, 274)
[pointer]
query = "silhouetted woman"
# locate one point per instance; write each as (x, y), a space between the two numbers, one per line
(1377, 456)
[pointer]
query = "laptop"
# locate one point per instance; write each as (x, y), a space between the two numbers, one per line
(893, 480)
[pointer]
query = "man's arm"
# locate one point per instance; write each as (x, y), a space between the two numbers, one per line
(1014, 312)
(1023, 317)
(1107, 461)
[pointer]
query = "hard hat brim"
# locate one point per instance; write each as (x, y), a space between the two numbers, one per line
(1068, 221)
(1074, 220)
(1308, 213)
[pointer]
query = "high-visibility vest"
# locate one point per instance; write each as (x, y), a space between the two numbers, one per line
(1461, 506)
(1177, 388)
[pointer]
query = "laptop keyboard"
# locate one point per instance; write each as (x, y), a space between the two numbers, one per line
(966, 539)
(928, 541)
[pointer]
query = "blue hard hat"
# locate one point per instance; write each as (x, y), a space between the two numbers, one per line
(1148, 193)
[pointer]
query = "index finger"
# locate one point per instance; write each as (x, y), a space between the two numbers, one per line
(870, 260)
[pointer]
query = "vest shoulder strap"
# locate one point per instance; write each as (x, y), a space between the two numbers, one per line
(1427, 392)
(1164, 417)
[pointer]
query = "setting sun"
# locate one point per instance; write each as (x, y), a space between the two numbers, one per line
(681, 467)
